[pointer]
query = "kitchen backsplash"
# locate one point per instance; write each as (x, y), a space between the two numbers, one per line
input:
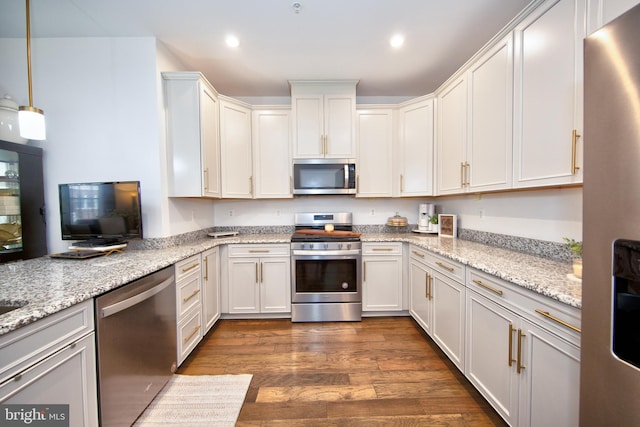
(552, 250)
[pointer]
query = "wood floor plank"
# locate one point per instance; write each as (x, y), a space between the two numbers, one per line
(378, 372)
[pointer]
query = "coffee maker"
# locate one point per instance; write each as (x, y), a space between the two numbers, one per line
(425, 212)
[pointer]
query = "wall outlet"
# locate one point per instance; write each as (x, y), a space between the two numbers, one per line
(481, 213)
(231, 212)
(373, 212)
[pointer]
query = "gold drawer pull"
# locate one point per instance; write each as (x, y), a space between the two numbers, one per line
(491, 288)
(195, 331)
(417, 254)
(520, 366)
(191, 267)
(382, 249)
(555, 319)
(446, 267)
(511, 331)
(193, 294)
(259, 251)
(574, 142)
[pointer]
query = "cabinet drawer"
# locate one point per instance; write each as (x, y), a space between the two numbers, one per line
(189, 334)
(545, 312)
(258, 250)
(187, 266)
(447, 266)
(382, 248)
(21, 348)
(189, 293)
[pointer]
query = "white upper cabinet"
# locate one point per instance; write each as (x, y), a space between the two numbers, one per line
(271, 152)
(490, 120)
(323, 118)
(415, 148)
(452, 137)
(193, 145)
(548, 95)
(374, 134)
(475, 125)
(601, 12)
(235, 142)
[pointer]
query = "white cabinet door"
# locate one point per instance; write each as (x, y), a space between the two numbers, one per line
(244, 296)
(339, 126)
(210, 288)
(374, 134)
(452, 138)
(275, 285)
(382, 283)
(235, 144)
(601, 12)
(193, 145)
(448, 300)
(490, 144)
(415, 141)
(420, 305)
(490, 354)
(67, 377)
(549, 380)
(324, 121)
(272, 156)
(548, 95)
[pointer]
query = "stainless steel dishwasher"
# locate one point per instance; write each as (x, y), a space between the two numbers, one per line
(136, 345)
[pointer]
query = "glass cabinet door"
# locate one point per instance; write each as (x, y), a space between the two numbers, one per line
(10, 218)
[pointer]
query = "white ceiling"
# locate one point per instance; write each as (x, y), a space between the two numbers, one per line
(327, 39)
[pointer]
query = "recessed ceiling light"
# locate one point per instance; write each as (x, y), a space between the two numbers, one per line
(232, 41)
(396, 41)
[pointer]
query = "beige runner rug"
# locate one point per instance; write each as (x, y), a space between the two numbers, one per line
(197, 400)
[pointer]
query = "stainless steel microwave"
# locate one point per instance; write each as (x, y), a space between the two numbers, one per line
(324, 176)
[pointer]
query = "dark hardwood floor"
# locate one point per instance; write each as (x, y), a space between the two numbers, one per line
(378, 372)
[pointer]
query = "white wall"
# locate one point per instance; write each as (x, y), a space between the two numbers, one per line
(539, 214)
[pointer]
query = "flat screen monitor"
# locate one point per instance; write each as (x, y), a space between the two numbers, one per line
(105, 212)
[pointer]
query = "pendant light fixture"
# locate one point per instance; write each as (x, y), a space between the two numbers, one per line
(30, 118)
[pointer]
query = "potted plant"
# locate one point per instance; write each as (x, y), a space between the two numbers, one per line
(576, 248)
(433, 222)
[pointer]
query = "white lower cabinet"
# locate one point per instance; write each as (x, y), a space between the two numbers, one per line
(381, 276)
(52, 361)
(437, 301)
(259, 279)
(522, 353)
(188, 305)
(210, 288)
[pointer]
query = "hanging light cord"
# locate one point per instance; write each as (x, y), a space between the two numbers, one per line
(29, 54)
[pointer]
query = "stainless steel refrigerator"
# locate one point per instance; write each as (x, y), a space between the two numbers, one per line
(610, 356)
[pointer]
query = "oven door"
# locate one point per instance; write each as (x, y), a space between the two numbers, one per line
(326, 276)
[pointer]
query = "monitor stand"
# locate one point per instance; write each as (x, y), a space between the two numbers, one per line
(99, 243)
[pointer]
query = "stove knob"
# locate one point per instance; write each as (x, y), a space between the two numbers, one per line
(326, 246)
(340, 246)
(348, 245)
(345, 285)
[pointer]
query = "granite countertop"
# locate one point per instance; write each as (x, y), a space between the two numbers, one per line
(48, 285)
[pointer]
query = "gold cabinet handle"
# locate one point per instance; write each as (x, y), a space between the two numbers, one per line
(195, 331)
(382, 249)
(560, 321)
(206, 268)
(511, 331)
(417, 254)
(426, 286)
(257, 278)
(445, 266)
(193, 294)
(261, 275)
(251, 185)
(466, 174)
(461, 174)
(258, 251)
(358, 181)
(206, 179)
(191, 267)
(484, 285)
(364, 271)
(574, 148)
(401, 183)
(430, 287)
(520, 366)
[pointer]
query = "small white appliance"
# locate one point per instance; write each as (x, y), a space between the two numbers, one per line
(425, 212)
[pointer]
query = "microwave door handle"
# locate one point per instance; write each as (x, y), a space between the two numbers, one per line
(346, 176)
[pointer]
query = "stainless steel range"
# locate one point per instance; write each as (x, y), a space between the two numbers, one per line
(326, 268)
